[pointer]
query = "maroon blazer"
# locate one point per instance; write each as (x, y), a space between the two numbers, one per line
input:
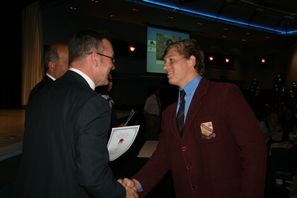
(230, 165)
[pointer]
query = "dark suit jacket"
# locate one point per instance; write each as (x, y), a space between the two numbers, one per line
(230, 165)
(64, 147)
(43, 83)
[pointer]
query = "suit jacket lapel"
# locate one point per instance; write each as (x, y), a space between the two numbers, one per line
(173, 119)
(196, 102)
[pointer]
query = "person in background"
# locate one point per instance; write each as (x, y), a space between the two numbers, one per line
(210, 139)
(152, 114)
(66, 125)
(271, 128)
(104, 91)
(56, 65)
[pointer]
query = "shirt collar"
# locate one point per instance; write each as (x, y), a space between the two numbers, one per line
(192, 85)
(50, 76)
(85, 76)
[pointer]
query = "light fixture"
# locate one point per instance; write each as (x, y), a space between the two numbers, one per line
(211, 58)
(135, 10)
(132, 48)
(263, 60)
(72, 8)
(215, 17)
(227, 60)
(95, 1)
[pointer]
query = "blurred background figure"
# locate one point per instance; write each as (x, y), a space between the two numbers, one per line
(152, 114)
(56, 64)
(105, 92)
(271, 128)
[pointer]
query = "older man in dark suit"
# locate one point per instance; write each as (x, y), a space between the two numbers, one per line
(56, 64)
(64, 149)
(210, 139)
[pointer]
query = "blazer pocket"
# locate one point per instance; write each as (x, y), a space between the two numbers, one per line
(206, 131)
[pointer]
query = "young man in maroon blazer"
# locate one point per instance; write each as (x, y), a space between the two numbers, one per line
(213, 146)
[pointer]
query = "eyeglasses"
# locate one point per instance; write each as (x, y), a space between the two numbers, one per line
(111, 58)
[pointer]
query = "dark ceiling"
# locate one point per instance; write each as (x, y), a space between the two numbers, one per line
(236, 20)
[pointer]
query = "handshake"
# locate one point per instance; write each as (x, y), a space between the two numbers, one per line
(131, 186)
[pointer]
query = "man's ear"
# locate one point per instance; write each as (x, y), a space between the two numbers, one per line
(94, 58)
(192, 61)
(51, 66)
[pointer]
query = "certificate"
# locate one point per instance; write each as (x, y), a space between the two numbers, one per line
(121, 138)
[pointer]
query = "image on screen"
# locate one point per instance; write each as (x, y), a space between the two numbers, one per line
(157, 41)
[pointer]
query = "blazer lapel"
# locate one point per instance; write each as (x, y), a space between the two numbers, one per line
(196, 102)
(173, 120)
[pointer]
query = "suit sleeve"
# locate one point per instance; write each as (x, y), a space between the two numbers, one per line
(92, 156)
(245, 129)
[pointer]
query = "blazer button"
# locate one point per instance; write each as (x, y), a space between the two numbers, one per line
(188, 167)
(193, 187)
(184, 148)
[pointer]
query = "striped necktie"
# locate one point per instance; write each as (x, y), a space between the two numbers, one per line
(180, 117)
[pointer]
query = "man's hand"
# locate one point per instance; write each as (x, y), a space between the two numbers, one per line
(130, 186)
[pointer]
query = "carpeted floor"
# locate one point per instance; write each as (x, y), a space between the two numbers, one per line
(11, 126)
